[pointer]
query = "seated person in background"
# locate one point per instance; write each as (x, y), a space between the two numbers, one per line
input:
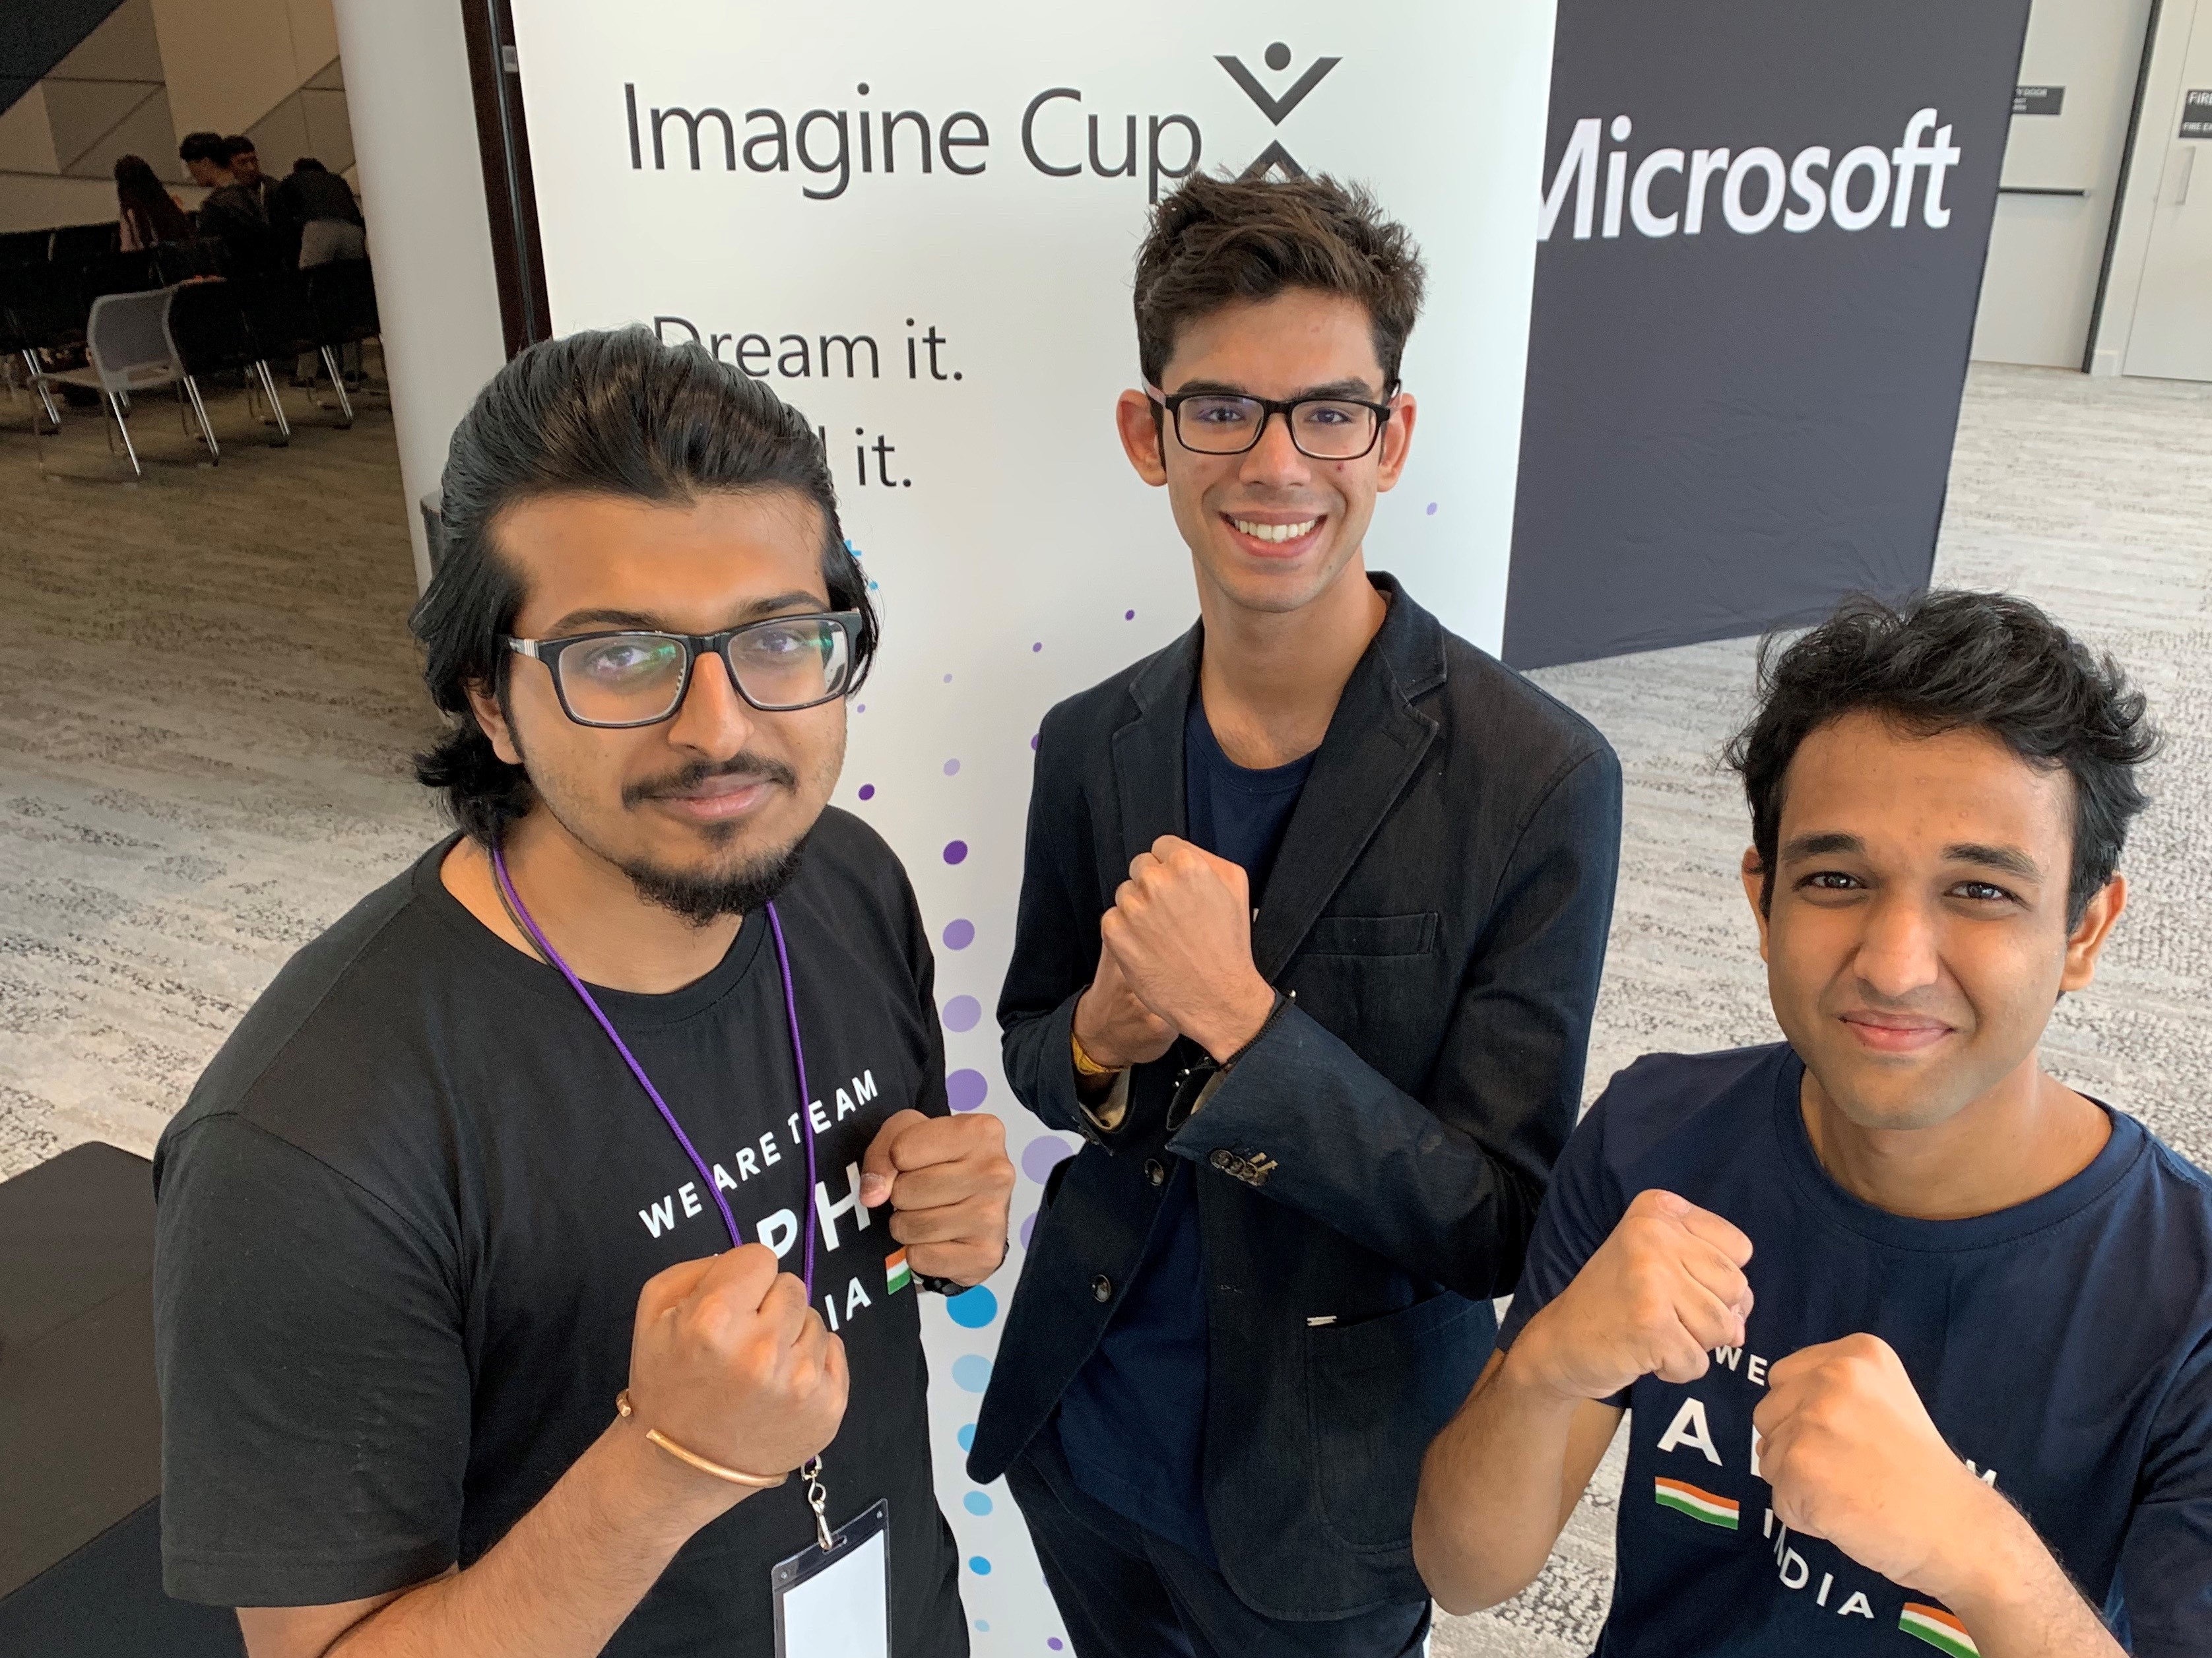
(246, 167)
(315, 214)
(232, 215)
(1915, 1339)
(145, 211)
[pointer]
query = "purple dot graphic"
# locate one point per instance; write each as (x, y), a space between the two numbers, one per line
(962, 1012)
(964, 1090)
(1128, 615)
(959, 934)
(860, 707)
(1432, 509)
(1029, 1230)
(1038, 646)
(955, 852)
(948, 679)
(867, 791)
(952, 769)
(1041, 1154)
(1053, 1640)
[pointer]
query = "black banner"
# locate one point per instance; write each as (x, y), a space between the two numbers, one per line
(1764, 228)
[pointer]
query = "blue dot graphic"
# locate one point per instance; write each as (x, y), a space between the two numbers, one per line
(966, 1437)
(983, 1625)
(976, 1502)
(959, 934)
(1432, 509)
(972, 1309)
(962, 1014)
(979, 1565)
(971, 1373)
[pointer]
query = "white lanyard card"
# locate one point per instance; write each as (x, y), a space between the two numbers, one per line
(836, 1602)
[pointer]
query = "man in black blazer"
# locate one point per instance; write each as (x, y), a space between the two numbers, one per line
(1314, 911)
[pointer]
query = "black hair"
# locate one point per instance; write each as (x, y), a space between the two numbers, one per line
(613, 413)
(1952, 661)
(308, 164)
(204, 147)
(1217, 240)
(141, 198)
(238, 144)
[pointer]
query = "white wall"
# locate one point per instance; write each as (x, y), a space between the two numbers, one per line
(415, 137)
(2039, 285)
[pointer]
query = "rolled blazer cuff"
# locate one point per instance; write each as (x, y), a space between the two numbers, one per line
(1037, 1053)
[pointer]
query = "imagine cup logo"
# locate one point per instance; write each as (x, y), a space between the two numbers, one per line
(833, 145)
(1278, 58)
(1880, 176)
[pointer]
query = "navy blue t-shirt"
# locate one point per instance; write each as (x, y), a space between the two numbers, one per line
(2063, 1348)
(1132, 1421)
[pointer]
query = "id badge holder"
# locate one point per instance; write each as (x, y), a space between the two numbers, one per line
(836, 1602)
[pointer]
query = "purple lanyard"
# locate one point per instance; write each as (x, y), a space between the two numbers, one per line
(798, 1063)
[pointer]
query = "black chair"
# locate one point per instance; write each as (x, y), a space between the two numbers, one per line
(212, 337)
(193, 259)
(24, 247)
(76, 243)
(342, 299)
(282, 321)
(46, 313)
(13, 348)
(120, 273)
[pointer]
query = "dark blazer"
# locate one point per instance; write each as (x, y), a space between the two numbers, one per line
(1369, 1167)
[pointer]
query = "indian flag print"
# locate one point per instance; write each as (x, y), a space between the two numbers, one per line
(1685, 1498)
(896, 1275)
(1938, 1628)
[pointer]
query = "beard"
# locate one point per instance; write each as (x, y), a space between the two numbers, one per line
(704, 899)
(700, 898)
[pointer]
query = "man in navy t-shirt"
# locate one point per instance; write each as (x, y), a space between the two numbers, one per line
(1916, 1341)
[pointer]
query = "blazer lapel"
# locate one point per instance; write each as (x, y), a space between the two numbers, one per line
(1375, 740)
(1148, 760)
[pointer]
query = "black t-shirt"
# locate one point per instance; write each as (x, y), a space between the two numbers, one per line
(2062, 1346)
(404, 1219)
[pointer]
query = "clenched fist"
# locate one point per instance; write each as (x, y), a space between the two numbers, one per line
(1116, 1029)
(728, 1360)
(1181, 933)
(949, 1183)
(1854, 1457)
(1667, 1286)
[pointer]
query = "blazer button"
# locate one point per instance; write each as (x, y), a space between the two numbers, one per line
(1156, 1171)
(1102, 1287)
(1221, 1158)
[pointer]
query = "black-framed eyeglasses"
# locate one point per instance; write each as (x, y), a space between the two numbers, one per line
(639, 677)
(1323, 428)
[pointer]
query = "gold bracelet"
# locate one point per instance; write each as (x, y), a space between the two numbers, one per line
(733, 1476)
(1085, 1065)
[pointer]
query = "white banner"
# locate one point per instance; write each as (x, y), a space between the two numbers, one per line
(917, 224)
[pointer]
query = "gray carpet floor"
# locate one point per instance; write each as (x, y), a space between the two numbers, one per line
(202, 762)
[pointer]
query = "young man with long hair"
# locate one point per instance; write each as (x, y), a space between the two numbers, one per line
(531, 1230)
